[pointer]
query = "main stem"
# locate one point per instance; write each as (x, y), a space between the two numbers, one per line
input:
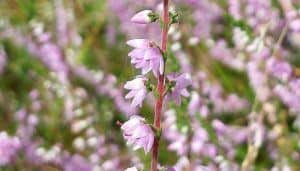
(160, 87)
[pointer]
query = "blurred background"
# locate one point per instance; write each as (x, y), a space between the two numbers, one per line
(63, 64)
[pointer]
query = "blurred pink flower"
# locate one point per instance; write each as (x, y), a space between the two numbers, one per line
(171, 169)
(138, 134)
(8, 148)
(76, 163)
(182, 81)
(295, 25)
(279, 68)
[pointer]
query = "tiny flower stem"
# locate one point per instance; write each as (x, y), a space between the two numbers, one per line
(160, 87)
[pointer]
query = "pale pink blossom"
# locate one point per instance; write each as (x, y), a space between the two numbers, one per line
(146, 56)
(138, 133)
(138, 90)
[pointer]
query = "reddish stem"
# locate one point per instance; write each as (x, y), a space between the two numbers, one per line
(160, 87)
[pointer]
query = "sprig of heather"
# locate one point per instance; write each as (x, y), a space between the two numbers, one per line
(147, 56)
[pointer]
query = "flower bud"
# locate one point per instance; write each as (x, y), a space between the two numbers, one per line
(144, 17)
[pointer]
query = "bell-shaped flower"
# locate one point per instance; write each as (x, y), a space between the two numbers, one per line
(143, 17)
(181, 82)
(138, 90)
(146, 56)
(138, 134)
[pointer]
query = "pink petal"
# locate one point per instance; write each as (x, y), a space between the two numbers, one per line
(139, 43)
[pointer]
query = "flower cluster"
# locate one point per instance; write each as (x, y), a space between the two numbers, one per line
(9, 147)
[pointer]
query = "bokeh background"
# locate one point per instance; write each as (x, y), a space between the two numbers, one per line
(63, 64)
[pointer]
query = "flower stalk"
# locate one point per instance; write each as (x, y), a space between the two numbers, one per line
(160, 86)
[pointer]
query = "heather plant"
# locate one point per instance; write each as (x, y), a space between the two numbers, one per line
(149, 85)
(148, 56)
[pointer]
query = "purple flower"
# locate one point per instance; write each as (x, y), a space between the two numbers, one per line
(138, 134)
(178, 144)
(279, 69)
(138, 90)
(223, 53)
(295, 86)
(142, 17)
(76, 163)
(146, 56)
(289, 98)
(171, 169)
(182, 81)
(234, 9)
(9, 146)
(295, 25)
(197, 105)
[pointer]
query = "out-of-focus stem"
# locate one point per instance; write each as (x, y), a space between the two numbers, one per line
(250, 157)
(287, 5)
(252, 148)
(160, 86)
(166, 26)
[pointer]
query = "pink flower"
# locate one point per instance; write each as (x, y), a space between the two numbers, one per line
(138, 134)
(279, 68)
(138, 90)
(142, 17)
(181, 81)
(146, 56)
(197, 105)
(171, 169)
(9, 147)
(295, 25)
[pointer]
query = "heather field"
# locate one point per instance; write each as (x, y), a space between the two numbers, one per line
(149, 85)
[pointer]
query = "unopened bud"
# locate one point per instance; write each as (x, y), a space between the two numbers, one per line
(144, 17)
